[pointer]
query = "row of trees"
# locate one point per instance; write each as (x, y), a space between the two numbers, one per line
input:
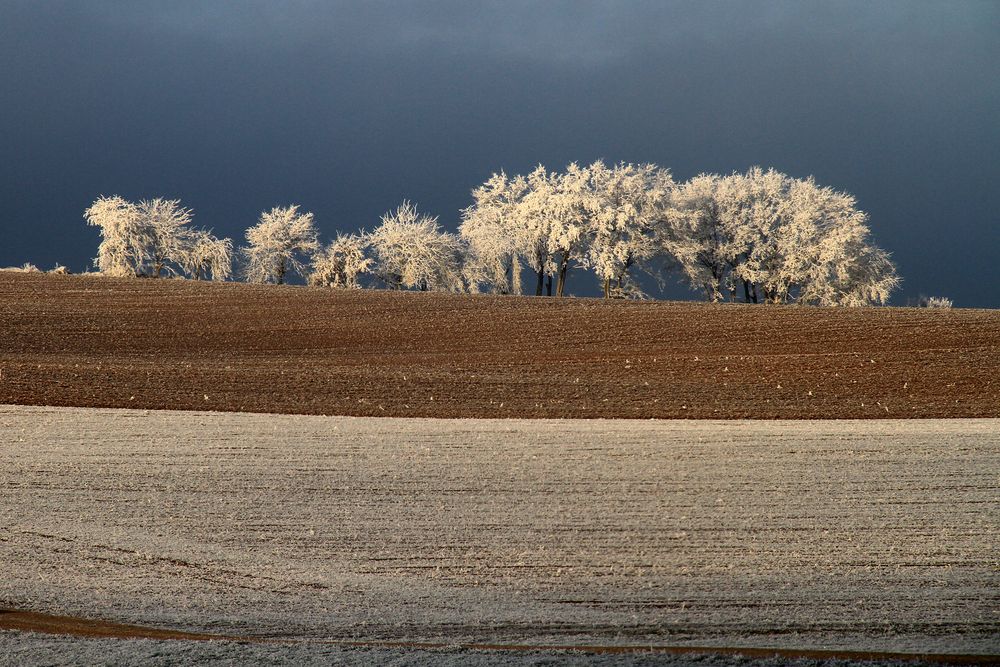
(759, 236)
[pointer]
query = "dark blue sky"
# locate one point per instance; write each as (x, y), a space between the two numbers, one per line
(348, 107)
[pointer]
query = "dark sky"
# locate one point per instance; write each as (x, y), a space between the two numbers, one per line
(348, 107)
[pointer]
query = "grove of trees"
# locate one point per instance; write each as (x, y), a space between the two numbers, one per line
(758, 237)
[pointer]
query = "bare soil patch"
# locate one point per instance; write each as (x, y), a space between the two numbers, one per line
(28, 621)
(100, 342)
(53, 624)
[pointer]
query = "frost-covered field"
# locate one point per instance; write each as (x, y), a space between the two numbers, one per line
(28, 650)
(857, 535)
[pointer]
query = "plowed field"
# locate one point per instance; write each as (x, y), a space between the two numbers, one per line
(861, 536)
(90, 341)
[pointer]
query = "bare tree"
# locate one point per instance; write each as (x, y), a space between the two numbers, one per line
(283, 242)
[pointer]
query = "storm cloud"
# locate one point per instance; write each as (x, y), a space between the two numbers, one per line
(348, 107)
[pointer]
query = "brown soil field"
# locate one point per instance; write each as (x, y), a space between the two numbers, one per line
(101, 342)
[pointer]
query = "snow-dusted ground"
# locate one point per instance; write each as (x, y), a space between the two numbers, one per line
(808, 534)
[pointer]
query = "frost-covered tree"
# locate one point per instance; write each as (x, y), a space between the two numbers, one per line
(127, 243)
(493, 228)
(206, 257)
(569, 206)
(752, 207)
(341, 263)
(169, 231)
(869, 280)
(802, 243)
(554, 219)
(781, 239)
(535, 227)
(282, 242)
(692, 236)
(597, 216)
(539, 221)
(626, 206)
(824, 254)
(152, 238)
(412, 252)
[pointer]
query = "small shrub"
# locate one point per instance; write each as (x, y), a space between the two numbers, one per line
(934, 302)
(27, 267)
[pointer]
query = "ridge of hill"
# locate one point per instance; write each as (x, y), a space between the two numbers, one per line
(173, 344)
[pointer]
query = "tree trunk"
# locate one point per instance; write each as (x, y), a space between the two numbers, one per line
(746, 291)
(541, 278)
(563, 268)
(548, 284)
(607, 288)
